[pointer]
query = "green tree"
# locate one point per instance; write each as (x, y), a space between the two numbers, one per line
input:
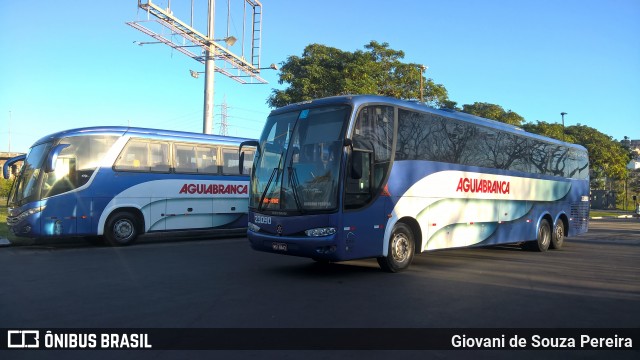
(608, 159)
(493, 111)
(634, 182)
(324, 71)
(552, 130)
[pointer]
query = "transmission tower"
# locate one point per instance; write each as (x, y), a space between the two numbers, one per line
(223, 115)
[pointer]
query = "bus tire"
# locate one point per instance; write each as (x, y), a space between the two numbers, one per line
(121, 229)
(401, 249)
(541, 244)
(557, 238)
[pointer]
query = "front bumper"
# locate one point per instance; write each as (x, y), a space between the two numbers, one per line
(322, 247)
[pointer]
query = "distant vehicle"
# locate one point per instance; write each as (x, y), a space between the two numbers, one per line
(355, 177)
(120, 182)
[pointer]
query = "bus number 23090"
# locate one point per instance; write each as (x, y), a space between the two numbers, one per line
(259, 219)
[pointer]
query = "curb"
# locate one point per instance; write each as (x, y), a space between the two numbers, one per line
(4, 242)
(612, 217)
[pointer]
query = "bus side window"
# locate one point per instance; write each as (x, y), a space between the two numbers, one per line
(207, 160)
(133, 157)
(358, 186)
(185, 158)
(63, 179)
(230, 162)
(372, 142)
(558, 161)
(159, 157)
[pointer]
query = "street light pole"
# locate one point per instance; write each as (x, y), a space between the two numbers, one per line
(209, 70)
(563, 114)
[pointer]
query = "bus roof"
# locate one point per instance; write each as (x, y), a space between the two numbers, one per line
(358, 100)
(144, 133)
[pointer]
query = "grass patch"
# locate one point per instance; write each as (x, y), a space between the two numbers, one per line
(4, 229)
(598, 213)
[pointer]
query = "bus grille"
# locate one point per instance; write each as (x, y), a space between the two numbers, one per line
(580, 215)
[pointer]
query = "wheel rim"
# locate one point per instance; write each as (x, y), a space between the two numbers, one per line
(123, 229)
(559, 233)
(400, 248)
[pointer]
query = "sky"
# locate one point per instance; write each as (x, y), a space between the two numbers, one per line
(69, 63)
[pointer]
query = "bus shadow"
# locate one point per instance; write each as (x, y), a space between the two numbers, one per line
(51, 243)
(421, 262)
(505, 247)
(97, 242)
(328, 269)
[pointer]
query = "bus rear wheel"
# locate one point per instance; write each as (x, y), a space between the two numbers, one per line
(557, 238)
(401, 250)
(121, 229)
(541, 244)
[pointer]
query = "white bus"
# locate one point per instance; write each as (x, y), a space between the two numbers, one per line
(120, 182)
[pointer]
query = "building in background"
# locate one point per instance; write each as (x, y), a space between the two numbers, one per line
(634, 146)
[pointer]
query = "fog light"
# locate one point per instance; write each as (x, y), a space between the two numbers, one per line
(320, 231)
(253, 227)
(326, 249)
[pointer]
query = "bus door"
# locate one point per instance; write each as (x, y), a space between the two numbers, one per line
(60, 213)
(368, 166)
(365, 217)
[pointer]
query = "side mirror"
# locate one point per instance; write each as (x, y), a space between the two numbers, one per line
(50, 166)
(253, 143)
(241, 163)
(7, 165)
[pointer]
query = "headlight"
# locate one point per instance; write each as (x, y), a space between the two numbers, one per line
(320, 231)
(253, 227)
(28, 213)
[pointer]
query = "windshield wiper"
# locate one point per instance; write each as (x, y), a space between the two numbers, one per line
(266, 189)
(294, 183)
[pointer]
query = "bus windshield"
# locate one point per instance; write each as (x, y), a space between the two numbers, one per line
(74, 166)
(298, 166)
(26, 185)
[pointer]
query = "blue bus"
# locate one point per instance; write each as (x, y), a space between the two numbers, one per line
(355, 177)
(115, 183)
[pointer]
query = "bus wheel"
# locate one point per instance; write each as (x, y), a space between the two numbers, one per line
(401, 249)
(121, 229)
(557, 238)
(541, 244)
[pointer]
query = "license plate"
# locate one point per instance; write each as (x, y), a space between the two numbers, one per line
(279, 246)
